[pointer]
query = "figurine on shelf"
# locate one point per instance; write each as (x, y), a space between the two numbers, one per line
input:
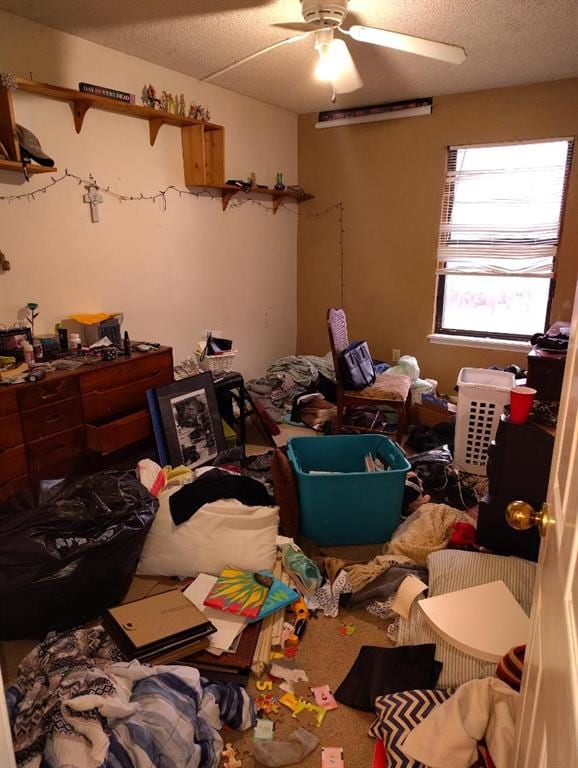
(182, 105)
(149, 97)
(170, 103)
(193, 110)
(279, 186)
(164, 102)
(252, 179)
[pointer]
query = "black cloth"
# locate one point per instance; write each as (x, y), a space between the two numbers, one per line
(386, 584)
(378, 671)
(215, 485)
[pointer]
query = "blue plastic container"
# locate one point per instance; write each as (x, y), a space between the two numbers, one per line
(355, 506)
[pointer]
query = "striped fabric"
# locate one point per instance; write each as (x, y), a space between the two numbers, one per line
(397, 714)
(511, 667)
(453, 569)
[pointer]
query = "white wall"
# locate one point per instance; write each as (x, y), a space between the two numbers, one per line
(171, 273)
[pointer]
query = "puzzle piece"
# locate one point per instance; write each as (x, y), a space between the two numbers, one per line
(289, 700)
(346, 630)
(267, 703)
(332, 757)
(263, 730)
(264, 685)
(305, 705)
(231, 760)
(324, 698)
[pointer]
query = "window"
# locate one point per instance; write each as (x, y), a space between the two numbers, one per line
(501, 217)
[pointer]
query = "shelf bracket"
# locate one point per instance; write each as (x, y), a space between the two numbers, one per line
(79, 110)
(277, 200)
(226, 196)
(155, 124)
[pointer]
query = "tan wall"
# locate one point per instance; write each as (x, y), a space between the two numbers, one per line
(389, 177)
(172, 273)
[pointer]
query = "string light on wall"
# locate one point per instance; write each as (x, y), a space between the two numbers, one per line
(98, 191)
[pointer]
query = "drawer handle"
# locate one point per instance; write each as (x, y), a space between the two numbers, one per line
(54, 418)
(45, 395)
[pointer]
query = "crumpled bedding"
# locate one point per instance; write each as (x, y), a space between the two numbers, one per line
(75, 703)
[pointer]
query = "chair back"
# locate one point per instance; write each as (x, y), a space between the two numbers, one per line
(338, 337)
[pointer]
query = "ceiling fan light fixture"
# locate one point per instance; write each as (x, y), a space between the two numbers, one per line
(335, 64)
(324, 13)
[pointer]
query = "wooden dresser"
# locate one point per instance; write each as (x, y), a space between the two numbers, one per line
(47, 426)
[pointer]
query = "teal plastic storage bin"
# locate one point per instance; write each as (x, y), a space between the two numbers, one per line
(354, 507)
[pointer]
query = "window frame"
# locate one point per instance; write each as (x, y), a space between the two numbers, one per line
(451, 163)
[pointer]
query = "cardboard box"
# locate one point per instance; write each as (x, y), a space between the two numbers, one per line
(429, 415)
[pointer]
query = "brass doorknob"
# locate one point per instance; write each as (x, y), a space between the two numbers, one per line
(521, 516)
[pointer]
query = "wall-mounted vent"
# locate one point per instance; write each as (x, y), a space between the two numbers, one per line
(374, 113)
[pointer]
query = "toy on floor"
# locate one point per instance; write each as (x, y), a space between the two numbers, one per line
(263, 730)
(264, 685)
(268, 704)
(332, 757)
(231, 760)
(346, 630)
(324, 698)
(305, 706)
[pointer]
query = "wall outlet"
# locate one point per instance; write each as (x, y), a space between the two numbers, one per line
(395, 355)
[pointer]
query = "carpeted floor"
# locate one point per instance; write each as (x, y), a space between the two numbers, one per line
(327, 656)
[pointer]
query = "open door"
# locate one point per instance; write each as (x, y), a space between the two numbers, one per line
(547, 729)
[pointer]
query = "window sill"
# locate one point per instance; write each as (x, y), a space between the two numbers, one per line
(502, 345)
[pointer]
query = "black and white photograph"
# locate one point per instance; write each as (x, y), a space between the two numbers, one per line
(191, 421)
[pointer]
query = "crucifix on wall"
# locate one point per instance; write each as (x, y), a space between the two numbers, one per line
(93, 198)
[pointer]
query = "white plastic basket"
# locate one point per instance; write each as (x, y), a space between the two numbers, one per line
(218, 364)
(482, 395)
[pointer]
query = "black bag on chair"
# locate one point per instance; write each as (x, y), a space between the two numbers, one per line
(357, 369)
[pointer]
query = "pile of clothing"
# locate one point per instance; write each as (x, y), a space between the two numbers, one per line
(75, 702)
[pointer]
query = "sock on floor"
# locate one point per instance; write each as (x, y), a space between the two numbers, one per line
(274, 754)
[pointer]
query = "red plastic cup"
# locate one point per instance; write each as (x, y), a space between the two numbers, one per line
(521, 401)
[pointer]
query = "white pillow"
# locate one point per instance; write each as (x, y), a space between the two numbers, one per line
(222, 533)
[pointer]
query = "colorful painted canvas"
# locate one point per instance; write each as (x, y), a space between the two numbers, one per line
(238, 592)
(279, 596)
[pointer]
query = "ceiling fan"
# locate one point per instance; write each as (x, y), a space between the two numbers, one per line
(325, 17)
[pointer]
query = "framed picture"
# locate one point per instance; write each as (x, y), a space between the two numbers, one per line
(11, 341)
(191, 422)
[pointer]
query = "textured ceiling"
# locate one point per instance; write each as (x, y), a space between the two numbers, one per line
(508, 42)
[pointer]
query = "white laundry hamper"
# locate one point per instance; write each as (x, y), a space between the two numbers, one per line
(482, 394)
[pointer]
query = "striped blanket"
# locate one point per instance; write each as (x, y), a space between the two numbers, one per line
(75, 704)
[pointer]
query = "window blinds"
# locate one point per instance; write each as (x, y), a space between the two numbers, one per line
(502, 209)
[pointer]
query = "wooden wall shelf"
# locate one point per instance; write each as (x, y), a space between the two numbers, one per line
(203, 143)
(82, 102)
(16, 165)
(228, 191)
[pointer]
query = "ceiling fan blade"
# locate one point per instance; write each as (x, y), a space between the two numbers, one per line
(298, 26)
(287, 41)
(452, 54)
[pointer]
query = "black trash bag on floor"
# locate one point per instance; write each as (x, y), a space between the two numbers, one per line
(63, 562)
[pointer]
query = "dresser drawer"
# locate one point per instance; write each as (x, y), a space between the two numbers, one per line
(54, 456)
(8, 402)
(13, 464)
(105, 404)
(45, 421)
(45, 393)
(132, 370)
(10, 431)
(119, 433)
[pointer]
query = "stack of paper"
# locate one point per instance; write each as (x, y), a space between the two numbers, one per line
(228, 625)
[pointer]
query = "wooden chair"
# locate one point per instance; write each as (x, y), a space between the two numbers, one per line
(389, 389)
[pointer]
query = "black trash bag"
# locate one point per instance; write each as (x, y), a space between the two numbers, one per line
(63, 562)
